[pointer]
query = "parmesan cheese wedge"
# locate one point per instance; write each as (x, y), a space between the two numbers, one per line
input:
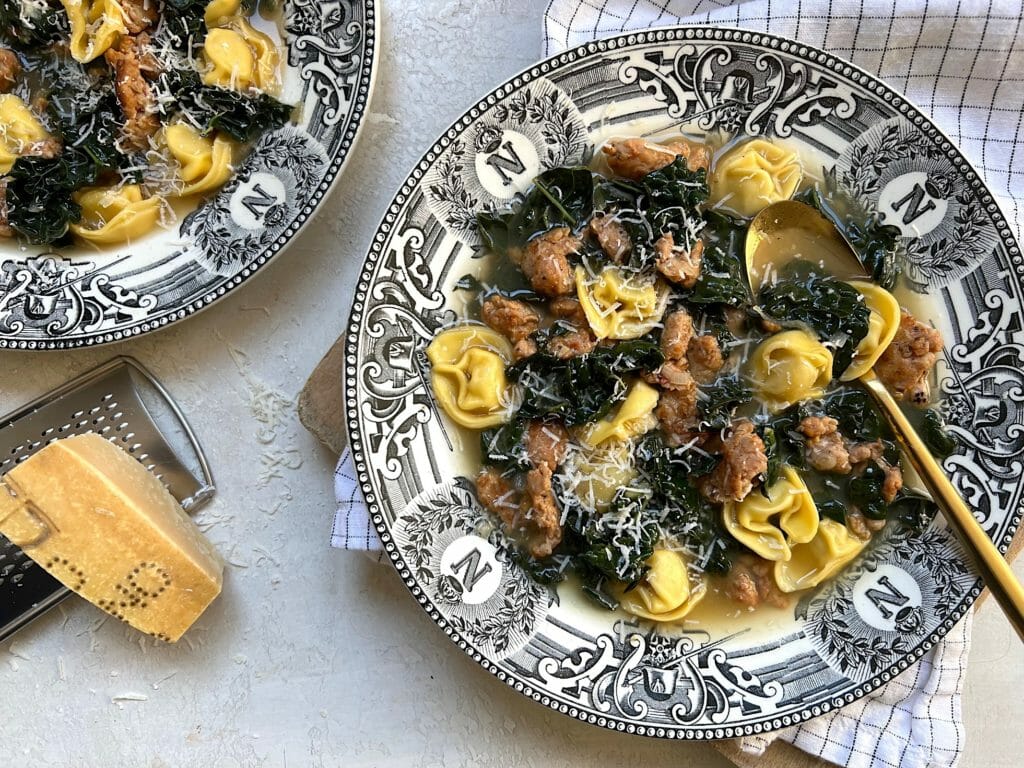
(98, 521)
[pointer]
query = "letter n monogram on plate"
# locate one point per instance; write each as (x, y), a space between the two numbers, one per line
(470, 568)
(888, 599)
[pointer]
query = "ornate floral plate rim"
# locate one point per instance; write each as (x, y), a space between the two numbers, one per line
(969, 588)
(51, 301)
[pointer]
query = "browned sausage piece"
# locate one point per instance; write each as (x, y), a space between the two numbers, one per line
(540, 517)
(743, 461)
(516, 320)
(635, 158)
(825, 449)
(611, 236)
(580, 341)
(677, 411)
(127, 59)
(705, 358)
(140, 14)
(751, 581)
(905, 364)
(676, 335)
(10, 70)
(545, 261)
(676, 264)
(546, 443)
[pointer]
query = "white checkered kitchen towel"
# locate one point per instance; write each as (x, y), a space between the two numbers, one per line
(962, 61)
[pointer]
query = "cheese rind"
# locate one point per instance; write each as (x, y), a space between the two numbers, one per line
(98, 521)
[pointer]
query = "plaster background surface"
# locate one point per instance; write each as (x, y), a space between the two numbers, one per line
(314, 656)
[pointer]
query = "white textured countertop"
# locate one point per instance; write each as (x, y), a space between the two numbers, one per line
(314, 655)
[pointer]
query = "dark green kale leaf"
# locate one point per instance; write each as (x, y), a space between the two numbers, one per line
(876, 245)
(581, 389)
(721, 278)
(936, 437)
(244, 117)
(39, 203)
(833, 509)
(618, 549)
(183, 24)
(44, 25)
(503, 446)
(774, 453)
(716, 402)
(560, 197)
(833, 309)
(865, 492)
(858, 416)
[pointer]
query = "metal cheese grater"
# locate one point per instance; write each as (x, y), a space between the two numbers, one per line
(123, 402)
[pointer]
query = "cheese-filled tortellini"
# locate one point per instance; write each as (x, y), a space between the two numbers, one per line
(204, 162)
(882, 326)
(597, 474)
(753, 175)
(468, 375)
(619, 306)
(112, 215)
(19, 130)
(96, 25)
(811, 563)
(219, 12)
(771, 523)
(667, 592)
(789, 367)
(634, 417)
(240, 57)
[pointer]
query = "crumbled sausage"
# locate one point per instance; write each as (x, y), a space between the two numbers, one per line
(862, 452)
(743, 461)
(516, 320)
(578, 341)
(825, 449)
(572, 344)
(857, 524)
(533, 515)
(676, 335)
(635, 158)
(10, 69)
(46, 148)
(545, 261)
(893, 482)
(676, 264)
(546, 443)
(672, 374)
(127, 59)
(139, 14)
(705, 358)
(540, 517)
(905, 364)
(611, 236)
(523, 349)
(751, 581)
(568, 308)
(677, 411)
(497, 494)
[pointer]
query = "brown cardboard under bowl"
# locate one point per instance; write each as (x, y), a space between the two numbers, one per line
(321, 412)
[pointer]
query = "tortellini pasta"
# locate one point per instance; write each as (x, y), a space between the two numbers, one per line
(667, 592)
(882, 326)
(112, 215)
(770, 525)
(240, 57)
(632, 418)
(204, 162)
(617, 306)
(755, 174)
(218, 12)
(832, 548)
(468, 375)
(19, 129)
(96, 25)
(790, 367)
(598, 474)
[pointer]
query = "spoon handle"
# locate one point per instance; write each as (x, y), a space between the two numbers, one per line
(994, 569)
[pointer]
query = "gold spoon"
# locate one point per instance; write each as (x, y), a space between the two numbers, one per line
(790, 230)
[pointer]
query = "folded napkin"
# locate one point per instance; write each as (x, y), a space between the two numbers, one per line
(959, 60)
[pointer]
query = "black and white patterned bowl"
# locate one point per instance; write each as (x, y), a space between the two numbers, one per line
(854, 633)
(80, 297)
